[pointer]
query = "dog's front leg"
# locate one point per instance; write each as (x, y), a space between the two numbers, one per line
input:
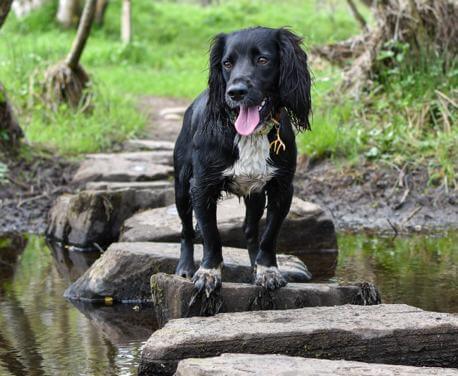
(279, 203)
(255, 204)
(208, 277)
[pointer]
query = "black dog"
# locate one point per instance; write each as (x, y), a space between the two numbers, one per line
(238, 137)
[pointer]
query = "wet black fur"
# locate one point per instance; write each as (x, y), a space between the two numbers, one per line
(205, 145)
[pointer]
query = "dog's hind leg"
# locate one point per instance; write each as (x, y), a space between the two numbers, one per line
(255, 204)
(185, 267)
(279, 202)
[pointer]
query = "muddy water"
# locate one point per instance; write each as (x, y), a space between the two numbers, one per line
(43, 334)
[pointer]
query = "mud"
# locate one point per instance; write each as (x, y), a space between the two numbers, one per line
(31, 185)
(379, 199)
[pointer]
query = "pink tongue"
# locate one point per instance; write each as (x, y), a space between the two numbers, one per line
(247, 120)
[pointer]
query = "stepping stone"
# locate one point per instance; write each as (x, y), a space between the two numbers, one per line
(393, 334)
(125, 167)
(152, 145)
(124, 270)
(173, 111)
(172, 296)
(307, 231)
(252, 364)
(93, 219)
(116, 186)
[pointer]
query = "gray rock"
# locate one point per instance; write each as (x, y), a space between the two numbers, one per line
(173, 117)
(116, 186)
(92, 219)
(393, 334)
(282, 365)
(152, 145)
(307, 232)
(123, 271)
(172, 296)
(125, 167)
(173, 111)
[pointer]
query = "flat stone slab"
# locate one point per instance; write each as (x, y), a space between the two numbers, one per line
(173, 111)
(307, 231)
(125, 167)
(93, 219)
(124, 270)
(172, 296)
(386, 333)
(151, 145)
(116, 186)
(252, 364)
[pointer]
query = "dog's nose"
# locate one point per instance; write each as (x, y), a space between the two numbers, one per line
(237, 91)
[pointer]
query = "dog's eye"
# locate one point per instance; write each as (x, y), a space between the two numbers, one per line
(262, 60)
(227, 64)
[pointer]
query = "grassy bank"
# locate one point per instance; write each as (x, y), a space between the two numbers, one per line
(168, 56)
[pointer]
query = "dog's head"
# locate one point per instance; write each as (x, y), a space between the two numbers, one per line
(255, 72)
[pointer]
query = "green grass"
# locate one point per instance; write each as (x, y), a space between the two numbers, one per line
(168, 56)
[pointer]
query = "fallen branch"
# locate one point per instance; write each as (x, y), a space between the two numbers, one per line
(358, 16)
(411, 215)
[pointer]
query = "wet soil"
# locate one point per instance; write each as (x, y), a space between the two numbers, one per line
(29, 188)
(376, 198)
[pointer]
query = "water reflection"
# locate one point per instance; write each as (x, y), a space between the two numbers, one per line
(419, 270)
(71, 265)
(43, 334)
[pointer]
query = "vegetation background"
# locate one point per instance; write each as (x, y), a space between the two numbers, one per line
(408, 118)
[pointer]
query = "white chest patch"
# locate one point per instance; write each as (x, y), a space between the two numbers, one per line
(252, 170)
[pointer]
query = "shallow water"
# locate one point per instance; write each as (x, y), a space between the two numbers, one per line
(43, 334)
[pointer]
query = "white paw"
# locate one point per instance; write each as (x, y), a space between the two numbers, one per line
(269, 277)
(208, 280)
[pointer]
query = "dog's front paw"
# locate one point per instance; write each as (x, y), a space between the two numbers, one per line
(269, 277)
(208, 280)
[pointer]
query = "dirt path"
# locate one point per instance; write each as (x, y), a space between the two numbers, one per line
(164, 117)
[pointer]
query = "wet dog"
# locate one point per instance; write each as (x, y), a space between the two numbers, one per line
(238, 136)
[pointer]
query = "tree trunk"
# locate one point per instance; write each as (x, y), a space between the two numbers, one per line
(22, 8)
(68, 12)
(126, 24)
(10, 132)
(5, 6)
(66, 82)
(100, 11)
(84, 29)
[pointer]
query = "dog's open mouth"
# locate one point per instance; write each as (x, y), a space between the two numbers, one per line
(248, 119)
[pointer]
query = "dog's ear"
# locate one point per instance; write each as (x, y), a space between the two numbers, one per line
(294, 80)
(216, 82)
